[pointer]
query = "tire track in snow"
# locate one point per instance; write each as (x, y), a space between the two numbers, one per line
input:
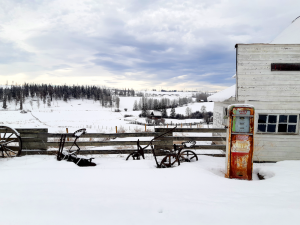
(39, 120)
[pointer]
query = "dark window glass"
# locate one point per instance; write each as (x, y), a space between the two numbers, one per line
(261, 128)
(292, 128)
(262, 119)
(271, 128)
(292, 119)
(282, 127)
(282, 119)
(272, 119)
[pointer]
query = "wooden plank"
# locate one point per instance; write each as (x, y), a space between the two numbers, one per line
(35, 145)
(266, 98)
(193, 130)
(272, 93)
(276, 137)
(211, 147)
(103, 135)
(288, 89)
(32, 130)
(104, 143)
(176, 138)
(294, 58)
(273, 82)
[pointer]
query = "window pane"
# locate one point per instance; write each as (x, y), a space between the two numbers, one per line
(261, 128)
(292, 118)
(272, 119)
(282, 127)
(262, 119)
(282, 119)
(271, 128)
(292, 128)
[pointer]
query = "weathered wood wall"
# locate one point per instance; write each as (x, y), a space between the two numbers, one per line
(256, 81)
(270, 92)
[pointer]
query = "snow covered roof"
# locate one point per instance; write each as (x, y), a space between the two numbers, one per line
(291, 35)
(156, 113)
(223, 95)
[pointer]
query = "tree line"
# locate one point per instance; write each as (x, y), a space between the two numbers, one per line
(47, 92)
(146, 105)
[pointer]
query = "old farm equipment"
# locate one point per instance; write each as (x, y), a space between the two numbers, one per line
(71, 155)
(140, 152)
(170, 158)
(10, 142)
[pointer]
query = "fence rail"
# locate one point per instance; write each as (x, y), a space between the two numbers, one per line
(39, 141)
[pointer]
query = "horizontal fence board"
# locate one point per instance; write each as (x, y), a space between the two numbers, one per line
(194, 138)
(103, 143)
(32, 130)
(102, 135)
(193, 130)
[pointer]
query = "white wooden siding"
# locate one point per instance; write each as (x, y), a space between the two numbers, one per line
(256, 81)
(275, 147)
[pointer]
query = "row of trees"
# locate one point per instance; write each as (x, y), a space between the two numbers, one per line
(47, 93)
(201, 114)
(159, 104)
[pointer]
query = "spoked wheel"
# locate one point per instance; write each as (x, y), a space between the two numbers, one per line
(169, 161)
(134, 156)
(10, 142)
(188, 156)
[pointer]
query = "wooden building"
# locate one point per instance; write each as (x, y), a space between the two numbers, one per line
(268, 77)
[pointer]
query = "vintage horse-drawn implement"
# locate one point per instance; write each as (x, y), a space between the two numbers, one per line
(170, 157)
(71, 155)
(10, 142)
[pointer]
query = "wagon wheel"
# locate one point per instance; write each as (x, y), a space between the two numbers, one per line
(188, 156)
(10, 142)
(134, 156)
(168, 161)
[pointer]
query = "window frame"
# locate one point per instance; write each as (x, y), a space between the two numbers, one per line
(277, 123)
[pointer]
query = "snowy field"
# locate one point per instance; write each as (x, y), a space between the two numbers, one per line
(39, 190)
(76, 114)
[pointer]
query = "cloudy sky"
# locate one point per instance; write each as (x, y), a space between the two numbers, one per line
(140, 44)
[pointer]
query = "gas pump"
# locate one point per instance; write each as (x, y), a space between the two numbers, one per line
(239, 146)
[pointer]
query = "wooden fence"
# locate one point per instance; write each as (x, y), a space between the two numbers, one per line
(39, 141)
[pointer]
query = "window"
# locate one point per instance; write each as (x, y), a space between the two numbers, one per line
(285, 66)
(277, 123)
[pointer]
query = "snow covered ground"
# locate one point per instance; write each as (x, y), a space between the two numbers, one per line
(89, 114)
(39, 190)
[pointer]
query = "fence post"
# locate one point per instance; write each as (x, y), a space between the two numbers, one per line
(116, 129)
(166, 144)
(67, 130)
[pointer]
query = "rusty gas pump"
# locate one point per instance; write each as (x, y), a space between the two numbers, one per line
(239, 146)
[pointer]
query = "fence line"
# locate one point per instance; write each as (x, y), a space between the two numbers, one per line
(38, 141)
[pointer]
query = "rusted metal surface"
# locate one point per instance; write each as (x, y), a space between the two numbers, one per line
(241, 157)
(239, 153)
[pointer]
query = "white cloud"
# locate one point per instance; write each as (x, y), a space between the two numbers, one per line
(133, 42)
